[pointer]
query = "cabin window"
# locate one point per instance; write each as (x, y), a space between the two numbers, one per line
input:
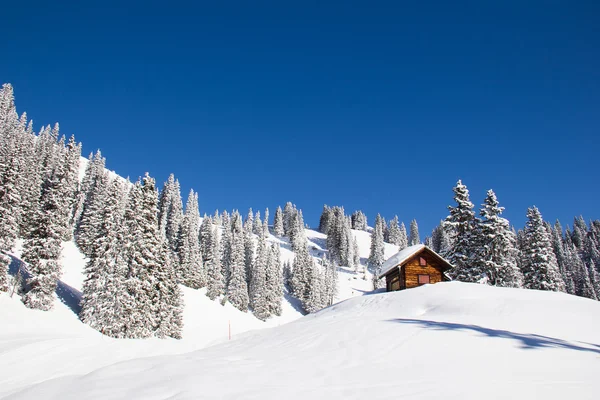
(423, 279)
(395, 283)
(422, 262)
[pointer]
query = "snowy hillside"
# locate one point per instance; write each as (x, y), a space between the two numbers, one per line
(205, 321)
(450, 340)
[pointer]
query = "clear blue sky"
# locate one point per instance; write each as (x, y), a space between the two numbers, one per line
(379, 106)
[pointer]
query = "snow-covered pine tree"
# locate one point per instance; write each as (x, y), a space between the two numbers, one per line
(257, 225)
(206, 238)
(104, 292)
(68, 187)
(170, 217)
(191, 272)
(356, 254)
(167, 296)
(10, 197)
(289, 211)
(579, 232)
(258, 288)
(403, 237)
(151, 281)
(278, 223)
(274, 281)
(216, 280)
(459, 227)
(330, 281)
(495, 259)
(94, 169)
(359, 221)
(90, 218)
(265, 224)
(413, 238)
(325, 219)
(225, 245)
(249, 247)
(348, 247)
(377, 255)
(237, 286)
(571, 265)
(42, 248)
(539, 266)
(394, 231)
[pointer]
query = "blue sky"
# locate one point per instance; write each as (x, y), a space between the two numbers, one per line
(379, 106)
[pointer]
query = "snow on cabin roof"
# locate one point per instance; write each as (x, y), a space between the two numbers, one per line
(400, 257)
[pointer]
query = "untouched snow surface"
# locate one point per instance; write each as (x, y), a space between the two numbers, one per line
(449, 340)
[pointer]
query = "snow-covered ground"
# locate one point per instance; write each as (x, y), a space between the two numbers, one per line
(449, 340)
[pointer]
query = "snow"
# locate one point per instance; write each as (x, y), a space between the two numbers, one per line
(400, 257)
(449, 340)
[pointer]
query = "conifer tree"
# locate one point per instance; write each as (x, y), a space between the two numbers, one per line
(394, 235)
(90, 218)
(207, 238)
(10, 198)
(249, 246)
(356, 254)
(216, 279)
(540, 269)
(42, 249)
(289, 211)
(191, 272)
(265, 224)
(68, 186)
(377, 256)
(459, 227)
(258, 288)
(414, 239)
(167, 297)
(325, 219)
(237, 286)
(104, 293)
(359, 221)
(257, 225)
(278, 223)
(495, 259)
(274, 281)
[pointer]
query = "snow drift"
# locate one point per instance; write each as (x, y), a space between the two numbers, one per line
(449, 340)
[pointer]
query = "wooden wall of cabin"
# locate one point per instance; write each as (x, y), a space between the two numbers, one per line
(412, 270)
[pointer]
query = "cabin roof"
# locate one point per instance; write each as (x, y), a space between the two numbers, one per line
(403, 255)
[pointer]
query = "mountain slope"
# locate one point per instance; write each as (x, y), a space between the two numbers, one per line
(450, 340)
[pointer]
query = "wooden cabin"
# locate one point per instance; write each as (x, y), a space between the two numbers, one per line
(414, 266)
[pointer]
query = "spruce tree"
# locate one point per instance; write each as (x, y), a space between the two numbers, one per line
(414, 239)
(192, 272)
(377, 256)
(42, 249)
(207, 238)
(10, 200)
(104, 294)
(394, 231)
(237, 286)
(274, 281)
(359, 221)
(540, 269)
(216, 279)
(459, 227)
(258, 288)
(278, 223)
(495, 259)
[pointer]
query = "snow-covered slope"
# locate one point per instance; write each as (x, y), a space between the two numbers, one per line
(449, 340)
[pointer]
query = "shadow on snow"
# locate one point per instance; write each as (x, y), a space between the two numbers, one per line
(527, 341)
(70, 296)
